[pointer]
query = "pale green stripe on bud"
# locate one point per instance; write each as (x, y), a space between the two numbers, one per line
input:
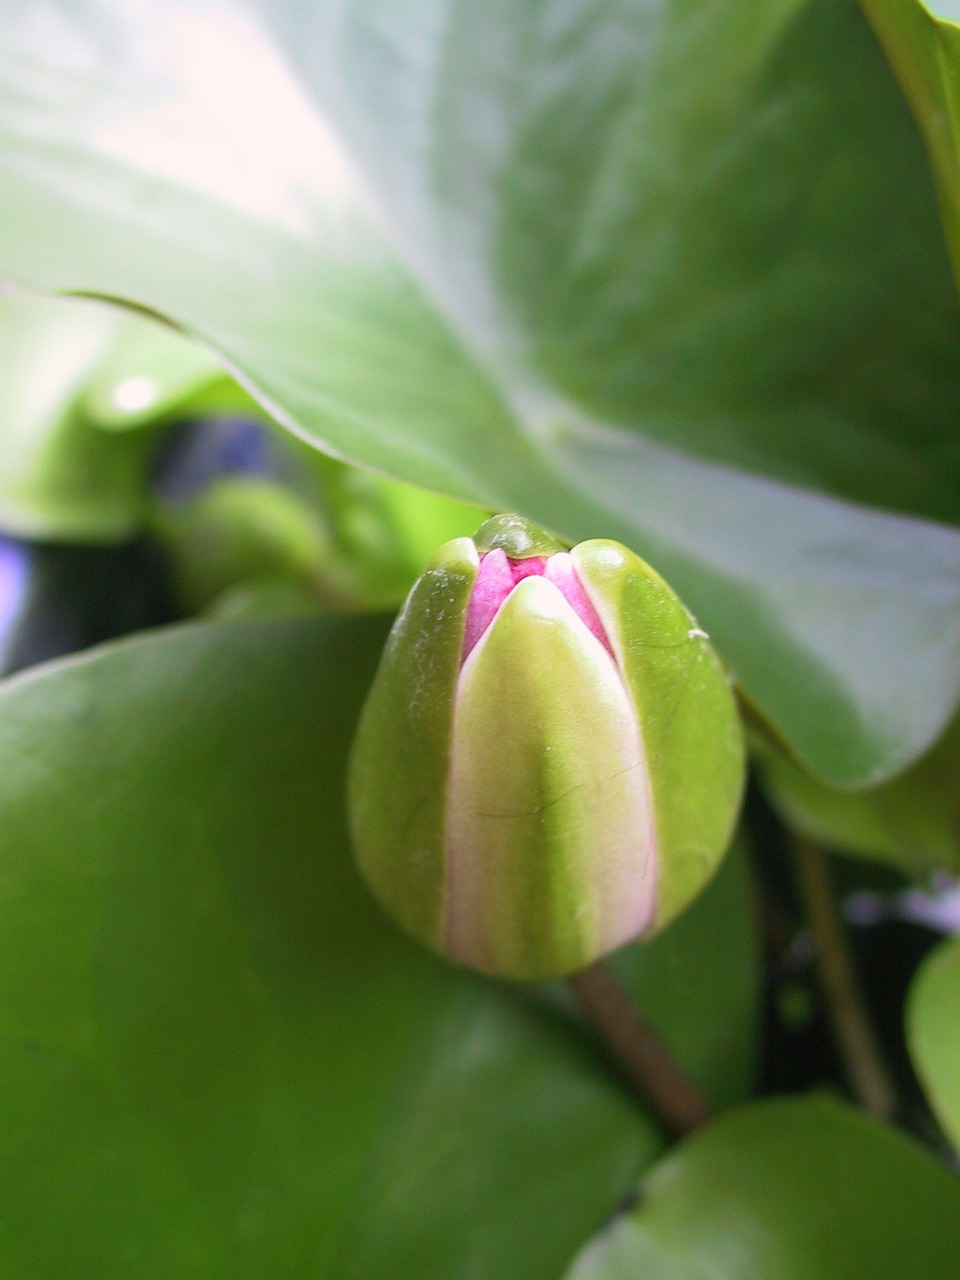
(551, 849)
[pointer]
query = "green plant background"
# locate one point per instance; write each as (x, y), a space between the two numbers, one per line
(673, 273)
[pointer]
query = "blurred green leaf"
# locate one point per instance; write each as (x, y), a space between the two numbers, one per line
(381, 532)
(911, 822)
(240, 531)
(793, 1189)
(933, 1033)
(219, 1059)
(623, 232)
(262, 598)
(68, 369)
(350, 540)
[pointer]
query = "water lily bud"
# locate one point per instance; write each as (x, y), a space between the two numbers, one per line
(550, 761)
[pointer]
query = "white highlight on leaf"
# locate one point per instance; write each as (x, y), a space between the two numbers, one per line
(133, 394)
(201, 99)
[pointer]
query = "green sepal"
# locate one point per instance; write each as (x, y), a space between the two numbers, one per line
(687, 714)
(518, 538)
(401, 755)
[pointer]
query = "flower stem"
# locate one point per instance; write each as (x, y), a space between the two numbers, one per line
(638, 1050)
(866, 1070)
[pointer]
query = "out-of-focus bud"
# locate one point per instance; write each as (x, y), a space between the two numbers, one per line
(550, 761)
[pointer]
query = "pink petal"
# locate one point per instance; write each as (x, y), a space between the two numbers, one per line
(493, 584)
(562, 572)
(532, 567)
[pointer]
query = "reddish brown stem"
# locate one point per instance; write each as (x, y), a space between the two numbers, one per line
(639, 1052)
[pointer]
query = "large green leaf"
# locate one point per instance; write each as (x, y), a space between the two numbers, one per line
(933, 1033)
(797, 1190)
(521, 253)
(670, 207)
(218, 1059)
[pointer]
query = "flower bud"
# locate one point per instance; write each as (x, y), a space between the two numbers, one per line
(550, 760)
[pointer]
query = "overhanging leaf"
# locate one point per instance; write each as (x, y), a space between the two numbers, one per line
(623, 231)
(216, 1055)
